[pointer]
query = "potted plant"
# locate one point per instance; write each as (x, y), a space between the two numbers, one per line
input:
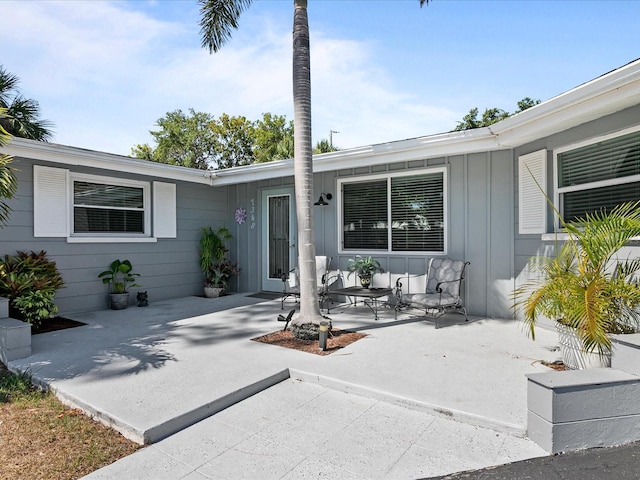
(215, 266)
(365, 268)
(218, 276)
(586, 288)
(119, 277)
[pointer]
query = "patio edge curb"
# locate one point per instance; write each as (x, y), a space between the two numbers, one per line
(438, 410)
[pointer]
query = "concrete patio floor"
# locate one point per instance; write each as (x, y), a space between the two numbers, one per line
(424, 396)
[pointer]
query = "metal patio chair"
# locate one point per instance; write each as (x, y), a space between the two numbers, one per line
(442, 292)
(324, 278)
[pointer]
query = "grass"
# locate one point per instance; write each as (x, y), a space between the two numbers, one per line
(43, 439)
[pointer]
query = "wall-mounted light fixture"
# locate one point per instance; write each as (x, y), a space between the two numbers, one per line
(321, 201)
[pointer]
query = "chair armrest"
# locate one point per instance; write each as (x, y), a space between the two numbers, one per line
(439, 290)
(329, 278)
(398, 290)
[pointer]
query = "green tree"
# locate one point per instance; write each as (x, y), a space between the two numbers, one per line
(491, 115)
(143, 151)
(273, 138)
(21, 115)
(233, 139)
(8, 180)
(526, 102)
(218, 18)
(199, 140)
(284, 149)
(183, 139)
(324, 146)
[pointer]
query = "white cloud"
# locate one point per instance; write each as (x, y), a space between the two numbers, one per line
(104, 74)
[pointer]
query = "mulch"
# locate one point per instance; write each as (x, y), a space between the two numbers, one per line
(54, 324)
(336, 341)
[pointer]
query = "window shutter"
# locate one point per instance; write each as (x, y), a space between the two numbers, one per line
(164, 210)
(50, 202)
(532, 177)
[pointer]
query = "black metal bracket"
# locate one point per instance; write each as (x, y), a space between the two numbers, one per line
(281, 318)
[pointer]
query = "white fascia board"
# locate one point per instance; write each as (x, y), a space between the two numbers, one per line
(597, 98)
(434, 146)
(65, 155)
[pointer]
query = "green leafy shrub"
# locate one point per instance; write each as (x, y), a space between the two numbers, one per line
(36, 306)
(27, 273)
(119, 277)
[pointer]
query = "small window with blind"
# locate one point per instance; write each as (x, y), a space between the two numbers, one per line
(394, 213)
(103, 206)
(598, 176)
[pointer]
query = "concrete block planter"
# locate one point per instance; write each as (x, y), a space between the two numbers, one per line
(15, 339)
(626, 353)
(15, 336)
(579, 409)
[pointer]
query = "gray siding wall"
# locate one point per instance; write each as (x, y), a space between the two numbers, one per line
(480, 216)
(527, 246)
(168, 268)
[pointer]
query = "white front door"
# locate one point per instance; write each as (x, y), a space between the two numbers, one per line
(278, 237)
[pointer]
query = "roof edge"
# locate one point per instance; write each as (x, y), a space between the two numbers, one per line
(604, 95)
(67, 155)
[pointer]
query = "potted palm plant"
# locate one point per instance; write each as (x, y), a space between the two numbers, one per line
(120, 277)
(587, 288)
(365, 268)
(215, 266)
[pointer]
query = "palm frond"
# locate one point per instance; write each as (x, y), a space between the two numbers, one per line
(21, 120)
(8, 187)
(586, 286)
(218, 18)
(8, 86)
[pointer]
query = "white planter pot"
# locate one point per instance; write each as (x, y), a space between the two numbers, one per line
(573, 355)
(213, 292)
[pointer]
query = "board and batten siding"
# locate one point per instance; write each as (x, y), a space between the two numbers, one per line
(528, 241)
(480, 226)
(168, 267)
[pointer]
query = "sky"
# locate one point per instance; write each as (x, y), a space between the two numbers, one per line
(105, 71)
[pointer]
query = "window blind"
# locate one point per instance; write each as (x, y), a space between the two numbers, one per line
(417, 213)
(365, 215)
(102, 208)
(609, 160)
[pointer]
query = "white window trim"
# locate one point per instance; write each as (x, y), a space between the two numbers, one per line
(53, 207)
(388, 176)
(558, 191)
(110, 237)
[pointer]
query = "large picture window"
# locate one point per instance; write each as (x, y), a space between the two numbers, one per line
(394, 213)
(598, 176)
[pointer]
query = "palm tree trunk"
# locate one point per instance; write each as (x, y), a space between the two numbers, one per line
(303, 167)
